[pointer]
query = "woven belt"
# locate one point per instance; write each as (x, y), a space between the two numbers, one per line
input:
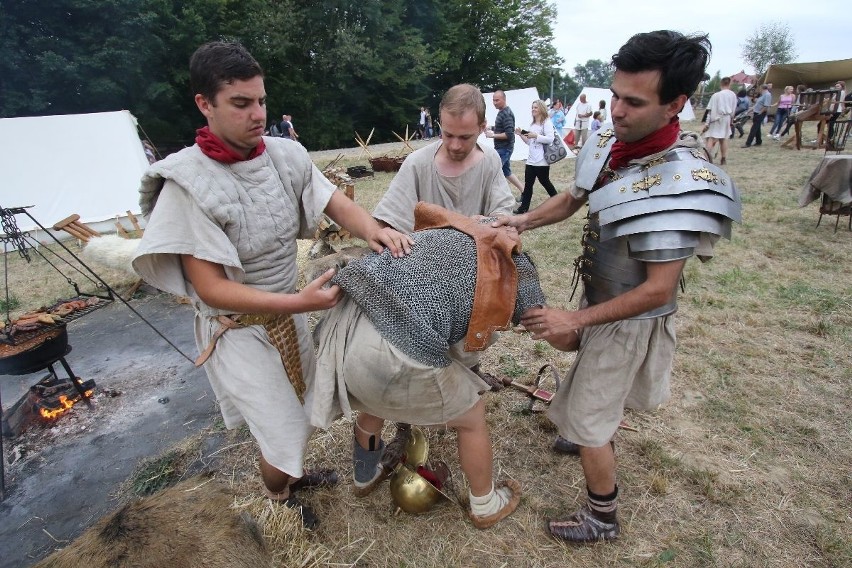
(281, 330)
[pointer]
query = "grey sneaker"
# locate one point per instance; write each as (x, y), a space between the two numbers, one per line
(583, 526)
(367, 468)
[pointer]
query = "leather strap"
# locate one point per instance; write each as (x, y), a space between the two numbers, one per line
(225, 323)
(496, 274)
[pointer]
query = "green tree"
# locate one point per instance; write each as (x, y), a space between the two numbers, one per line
(497, 44)
(336, 65)
(565, 88)
(595, 73)
(771, 43)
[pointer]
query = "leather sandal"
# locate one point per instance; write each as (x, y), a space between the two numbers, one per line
(564, 446)
(314, 479)
(310, 521)
(491, 520)
(583, 526)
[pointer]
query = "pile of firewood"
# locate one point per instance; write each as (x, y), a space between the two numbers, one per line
(328, 232)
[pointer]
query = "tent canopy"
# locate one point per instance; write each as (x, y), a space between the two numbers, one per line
(596, 94)
(89, 164)
(816, 75)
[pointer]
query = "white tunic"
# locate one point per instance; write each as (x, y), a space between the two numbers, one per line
(481, 190)
(722, 106)
(245, 216)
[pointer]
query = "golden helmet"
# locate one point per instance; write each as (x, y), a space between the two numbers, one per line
(417, 448)
(412, 492)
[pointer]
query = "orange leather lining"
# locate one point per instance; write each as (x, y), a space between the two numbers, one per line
(496, 274)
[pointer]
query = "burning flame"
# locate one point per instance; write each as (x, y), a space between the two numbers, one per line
(65, 405)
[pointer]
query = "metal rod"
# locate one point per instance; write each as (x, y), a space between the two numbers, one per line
(2, 458)
(109, 288)
(77, 384)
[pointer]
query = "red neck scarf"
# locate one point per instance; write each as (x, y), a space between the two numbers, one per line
(213, 147)
(657, 141)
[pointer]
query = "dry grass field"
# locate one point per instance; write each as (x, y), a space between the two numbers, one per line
(749, 464)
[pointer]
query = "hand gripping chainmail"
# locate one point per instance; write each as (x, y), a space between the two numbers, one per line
(421, 303)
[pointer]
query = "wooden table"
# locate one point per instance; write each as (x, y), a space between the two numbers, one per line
(832, 179)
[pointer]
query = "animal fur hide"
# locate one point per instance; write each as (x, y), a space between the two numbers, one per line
(112, 251)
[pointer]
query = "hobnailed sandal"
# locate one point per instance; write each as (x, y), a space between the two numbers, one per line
(491, 520)
(315, 479)
(564, 446)
(583, 526)
(310, 521)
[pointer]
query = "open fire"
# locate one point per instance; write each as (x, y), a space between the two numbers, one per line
(54, 397)
(45, 402)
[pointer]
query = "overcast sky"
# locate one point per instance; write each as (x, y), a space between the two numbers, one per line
(595, 30)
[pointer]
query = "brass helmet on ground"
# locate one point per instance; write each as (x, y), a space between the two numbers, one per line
(410, 491)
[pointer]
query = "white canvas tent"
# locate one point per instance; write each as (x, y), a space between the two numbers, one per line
(520, 101)
(595, 94)
(89, 164)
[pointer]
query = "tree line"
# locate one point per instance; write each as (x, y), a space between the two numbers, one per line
(337, 66)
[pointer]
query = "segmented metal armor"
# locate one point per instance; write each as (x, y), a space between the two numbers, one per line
(668, 208)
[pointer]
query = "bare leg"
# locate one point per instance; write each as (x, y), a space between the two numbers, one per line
(513, 179)
(275, 480)
(723, 150)
(368, 426)
(599, 468)
(710, 145)
(474, 446)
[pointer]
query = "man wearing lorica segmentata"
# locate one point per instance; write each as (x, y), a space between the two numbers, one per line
(654, 201)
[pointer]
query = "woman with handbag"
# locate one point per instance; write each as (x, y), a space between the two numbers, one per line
(539, 135)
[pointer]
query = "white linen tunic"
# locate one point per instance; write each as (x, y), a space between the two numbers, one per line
(246, 217)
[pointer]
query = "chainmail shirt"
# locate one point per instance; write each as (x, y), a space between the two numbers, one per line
(421, 303)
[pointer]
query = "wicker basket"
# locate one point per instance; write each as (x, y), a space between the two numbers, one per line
(387, 163)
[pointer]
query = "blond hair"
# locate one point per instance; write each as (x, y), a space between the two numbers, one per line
(461, 98)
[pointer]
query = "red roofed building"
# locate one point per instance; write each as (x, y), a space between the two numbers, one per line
(743, 79)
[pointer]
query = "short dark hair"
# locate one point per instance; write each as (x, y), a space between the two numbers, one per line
(217, 63)
(680, 59)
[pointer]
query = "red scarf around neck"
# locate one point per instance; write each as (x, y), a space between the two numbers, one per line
(657, 141)
(214, 148)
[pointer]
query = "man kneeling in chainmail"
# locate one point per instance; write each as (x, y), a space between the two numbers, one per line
(397, 346)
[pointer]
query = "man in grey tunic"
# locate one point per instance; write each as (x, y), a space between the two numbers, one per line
(455, 172)
(654, 201)
(223, 219)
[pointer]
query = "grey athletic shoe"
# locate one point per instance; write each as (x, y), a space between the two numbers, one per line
(367, 468)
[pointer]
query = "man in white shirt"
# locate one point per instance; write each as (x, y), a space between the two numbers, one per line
(720, 112)
(581, 122)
